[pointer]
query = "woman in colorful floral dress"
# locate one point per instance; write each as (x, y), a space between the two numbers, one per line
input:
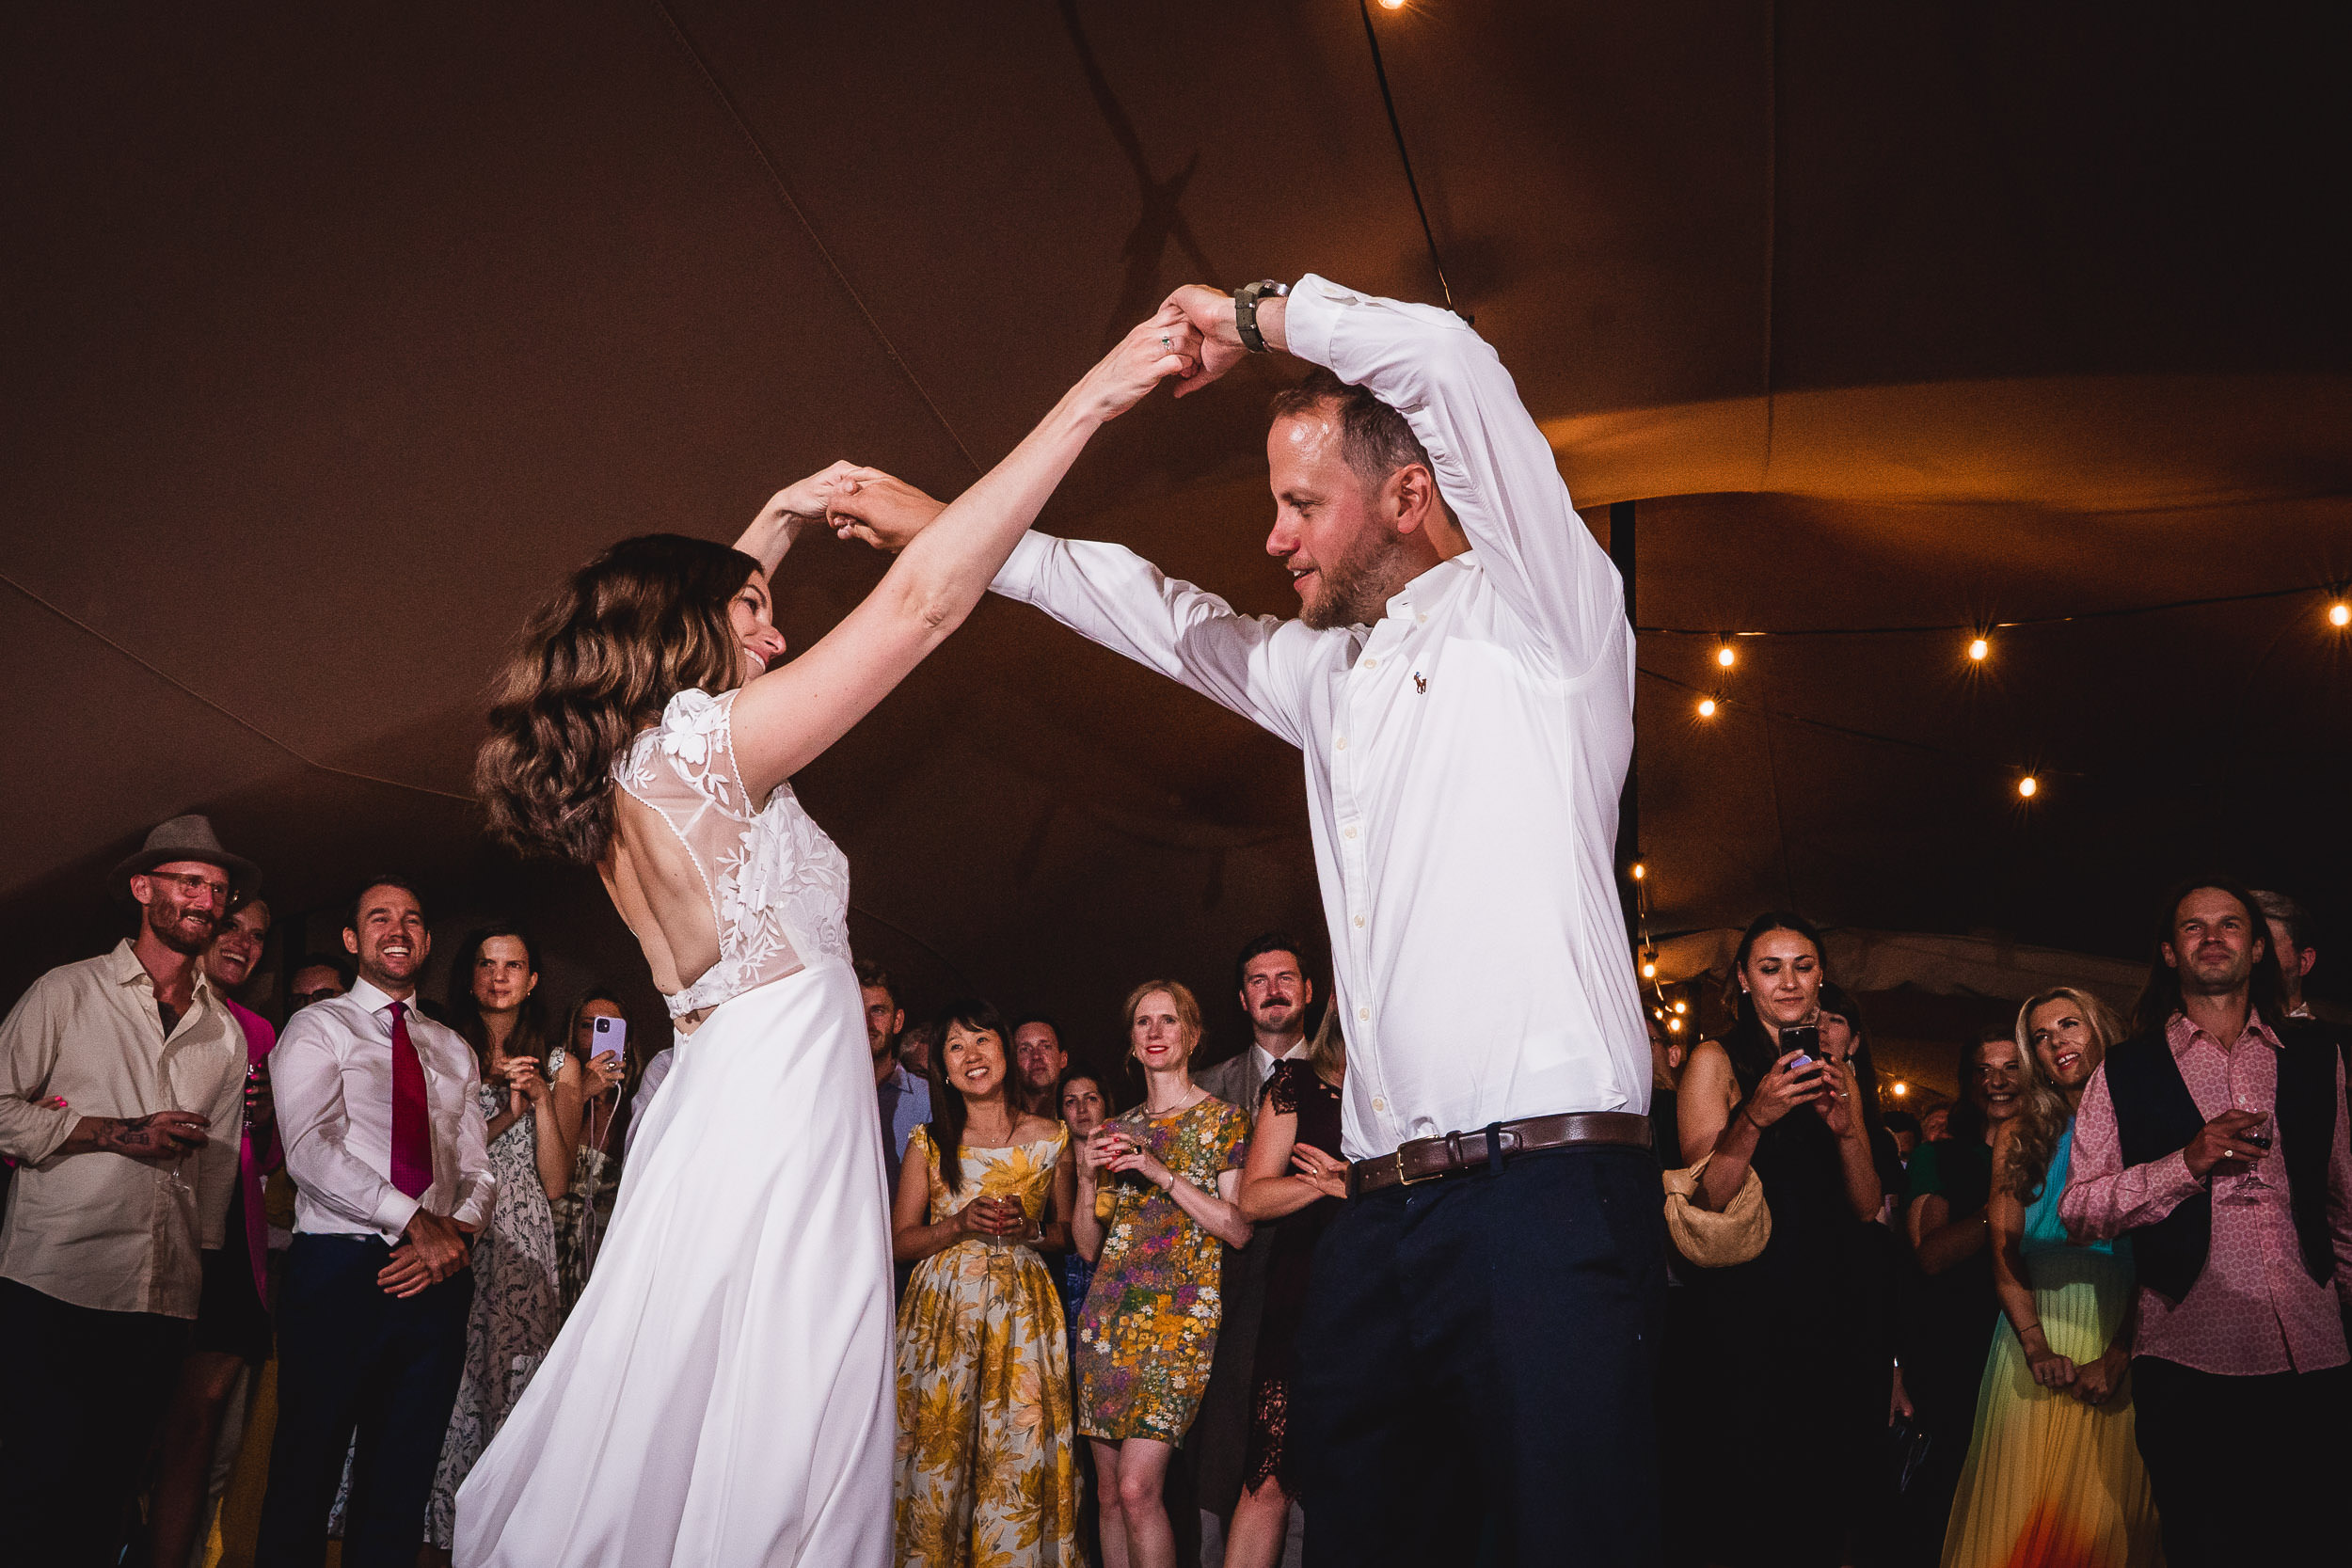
(1158, 1193)
(986, 1471)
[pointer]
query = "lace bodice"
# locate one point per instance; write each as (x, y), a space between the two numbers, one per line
(778, 887)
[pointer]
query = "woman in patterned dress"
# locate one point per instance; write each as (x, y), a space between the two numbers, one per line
(532, 1103)
(1156, 1197)
(987, 1473)
(607, 1079)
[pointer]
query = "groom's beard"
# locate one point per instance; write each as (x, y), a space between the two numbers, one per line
(1357, 587)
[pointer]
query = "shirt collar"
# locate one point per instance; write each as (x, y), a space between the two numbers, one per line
(2180, 1033)
(369, 1000)
(1428, 587)
(124, 969)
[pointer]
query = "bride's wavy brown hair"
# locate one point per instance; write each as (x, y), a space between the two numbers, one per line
(646, 620)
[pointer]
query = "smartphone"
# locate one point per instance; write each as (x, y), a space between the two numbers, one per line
(611, 1034)
(1805, 1039)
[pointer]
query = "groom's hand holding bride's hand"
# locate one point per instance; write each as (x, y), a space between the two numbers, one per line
(1210, 312)
(880, 509)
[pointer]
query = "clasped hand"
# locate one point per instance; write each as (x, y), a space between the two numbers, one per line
(997, 1217)
(432, 1250)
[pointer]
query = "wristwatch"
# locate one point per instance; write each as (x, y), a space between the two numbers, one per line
(1246, 310)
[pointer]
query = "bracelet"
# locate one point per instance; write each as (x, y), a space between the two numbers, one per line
(1751, 1119)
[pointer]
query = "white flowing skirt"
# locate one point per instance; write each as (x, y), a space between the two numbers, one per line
(724, 1394)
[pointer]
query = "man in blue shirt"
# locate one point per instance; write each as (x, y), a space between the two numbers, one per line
(904, 1099)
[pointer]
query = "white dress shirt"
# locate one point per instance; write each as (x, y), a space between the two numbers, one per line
(1267, 1058)
(101, 1229)
(1464, 757)
(332, 1078)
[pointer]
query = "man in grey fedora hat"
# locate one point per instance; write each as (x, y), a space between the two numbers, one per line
(121, 1080)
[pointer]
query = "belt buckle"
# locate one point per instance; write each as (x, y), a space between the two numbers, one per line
(1407, 1181)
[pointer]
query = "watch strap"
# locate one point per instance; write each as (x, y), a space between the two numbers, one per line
(1246, 310)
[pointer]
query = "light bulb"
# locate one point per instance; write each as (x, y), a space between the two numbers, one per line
(2028, 787)
(1676, 1025)
(1901, 1087)
(1639, 871)
(2340, 614)
(1391, 5)
(1649, 970)
(1706, 707)
(1725, 656)
(1683, 1006)
(1978, 649)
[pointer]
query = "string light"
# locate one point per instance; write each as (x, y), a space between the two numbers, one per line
(1675, 1025)
(1639, 871)
(1725, 656)
(1649, 968)
(1683, 1006)
(1706, 707)
(1978, 649)
(2028, 787)
(2340, 614)
(1901, 1087)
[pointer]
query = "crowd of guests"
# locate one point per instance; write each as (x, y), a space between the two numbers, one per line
(2092, 1312)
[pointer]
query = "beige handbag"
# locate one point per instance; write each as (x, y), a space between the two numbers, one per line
(1712, 1240)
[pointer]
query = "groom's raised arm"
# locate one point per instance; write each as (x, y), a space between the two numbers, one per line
(1254, 664)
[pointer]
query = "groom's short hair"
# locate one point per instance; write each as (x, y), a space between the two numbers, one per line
(1375, 439)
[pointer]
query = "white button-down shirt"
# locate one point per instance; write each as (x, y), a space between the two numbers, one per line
(332, 1078)
(101, 1230)
(1464, 757)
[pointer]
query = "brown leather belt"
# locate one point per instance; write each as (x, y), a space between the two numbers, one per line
(1426, 1158)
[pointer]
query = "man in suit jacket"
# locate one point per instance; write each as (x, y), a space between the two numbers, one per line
(1275, 992)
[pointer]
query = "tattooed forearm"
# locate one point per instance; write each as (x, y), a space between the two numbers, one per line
(131, 1135)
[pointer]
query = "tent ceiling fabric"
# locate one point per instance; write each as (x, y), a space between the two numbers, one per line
(335, 334)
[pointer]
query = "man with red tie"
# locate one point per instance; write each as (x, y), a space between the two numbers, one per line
(379, 1113)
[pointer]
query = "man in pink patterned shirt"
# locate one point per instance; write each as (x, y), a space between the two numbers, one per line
(2215, 1138)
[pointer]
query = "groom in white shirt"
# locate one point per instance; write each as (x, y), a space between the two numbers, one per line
(385, 1139)
(1479, 1339)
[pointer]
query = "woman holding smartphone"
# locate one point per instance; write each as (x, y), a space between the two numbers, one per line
(597, 1036)
(1789, 1354)
(1158, 1193)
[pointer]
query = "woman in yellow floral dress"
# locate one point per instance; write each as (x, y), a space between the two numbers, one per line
(987, 1453)
(1158, 1192)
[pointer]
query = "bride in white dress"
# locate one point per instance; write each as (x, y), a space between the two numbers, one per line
(723, 1395)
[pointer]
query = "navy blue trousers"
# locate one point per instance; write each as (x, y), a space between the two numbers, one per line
(353, 1360)
(1477, 1365)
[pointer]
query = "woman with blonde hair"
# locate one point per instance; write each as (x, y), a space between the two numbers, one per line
(2054, 1474)
(1158, 1200)
(723, 1391)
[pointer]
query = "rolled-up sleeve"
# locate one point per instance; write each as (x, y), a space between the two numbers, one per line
(2104, 1197)
(31, 1131)
(1109, 595)
(307, 1081)
(1493, 466)
(477, 1184)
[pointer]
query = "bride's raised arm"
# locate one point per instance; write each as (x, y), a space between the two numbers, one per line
(785, 719)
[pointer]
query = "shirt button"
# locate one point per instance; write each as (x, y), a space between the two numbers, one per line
(1380, 1105)
(1360, 922)
(1371, 664)
(1351, 832)
(1341, 744)
(1365, 1013)
(1420, 620)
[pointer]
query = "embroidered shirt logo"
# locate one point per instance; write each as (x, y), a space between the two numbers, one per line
(1421, 683)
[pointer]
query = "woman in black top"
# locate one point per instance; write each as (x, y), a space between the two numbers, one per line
(1798, 1390)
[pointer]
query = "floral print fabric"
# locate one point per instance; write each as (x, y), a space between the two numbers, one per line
(987, 1457)
(1148, 1329)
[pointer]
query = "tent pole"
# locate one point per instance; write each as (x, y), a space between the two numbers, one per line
(1629, 802)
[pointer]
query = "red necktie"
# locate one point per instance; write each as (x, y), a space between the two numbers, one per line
(412, 1135)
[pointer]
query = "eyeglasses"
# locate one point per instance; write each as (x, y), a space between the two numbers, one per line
(190, 883)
